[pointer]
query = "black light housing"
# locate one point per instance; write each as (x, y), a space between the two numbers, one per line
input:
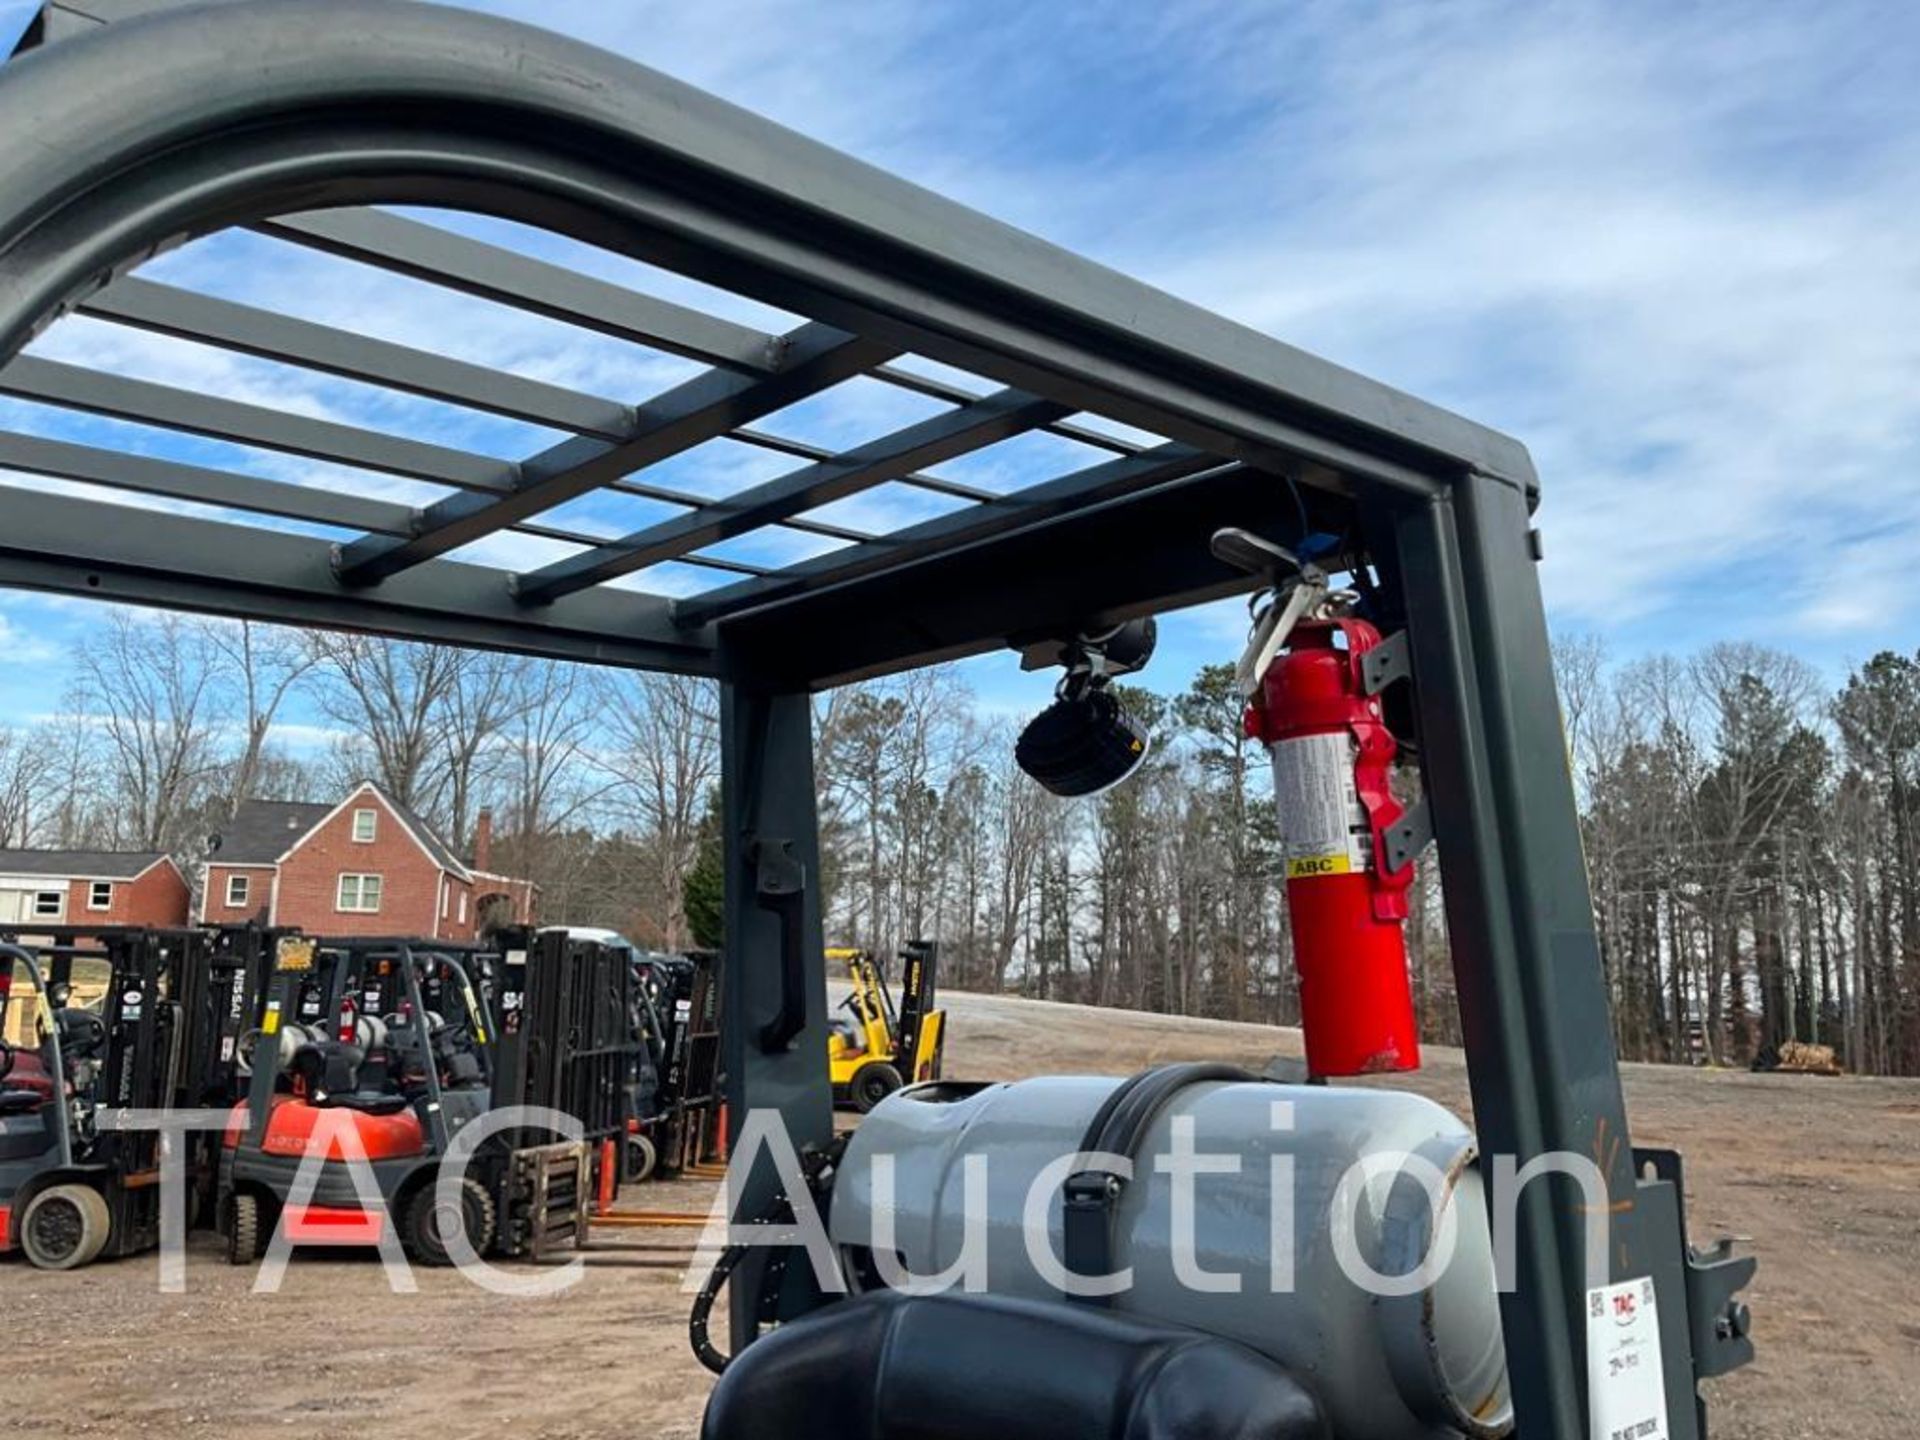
(1086, 741)
(1080, 746)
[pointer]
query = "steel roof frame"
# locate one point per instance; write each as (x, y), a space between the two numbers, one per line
(296, 119)
(702, 188)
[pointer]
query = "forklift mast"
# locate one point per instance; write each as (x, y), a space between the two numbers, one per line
(874, 997)
(919, 978)
(567, 1037)
(225, 987)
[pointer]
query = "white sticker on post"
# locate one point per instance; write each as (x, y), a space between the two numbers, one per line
(1626, 1383)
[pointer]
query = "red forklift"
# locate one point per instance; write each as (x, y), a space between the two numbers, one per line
(391, 1035)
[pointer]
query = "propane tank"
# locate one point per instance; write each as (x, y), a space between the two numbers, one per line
(1332, 754)
(1416, 1366)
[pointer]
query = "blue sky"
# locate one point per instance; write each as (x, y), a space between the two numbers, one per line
(1671, 247)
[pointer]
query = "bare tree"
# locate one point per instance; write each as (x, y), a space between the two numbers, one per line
(1579, 665)
(488, 693)
(24, 768)
(390, 696)
(553, 772)
(553, 775)
(149, 686)
(665, 749)
(1021, 816)
(263, 664)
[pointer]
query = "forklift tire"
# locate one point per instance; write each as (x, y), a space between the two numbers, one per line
(871, 1084)
(420, 1235)
(641, 1158)
(65, 1227)
(243, 1230)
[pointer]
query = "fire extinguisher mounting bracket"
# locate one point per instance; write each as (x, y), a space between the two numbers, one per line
(1407, 837)
(1385, 663)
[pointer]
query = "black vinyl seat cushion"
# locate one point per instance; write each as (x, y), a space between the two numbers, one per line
(345, 1077)
(886, 1366)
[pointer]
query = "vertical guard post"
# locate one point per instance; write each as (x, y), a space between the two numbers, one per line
(1532, 995)
(770, 821)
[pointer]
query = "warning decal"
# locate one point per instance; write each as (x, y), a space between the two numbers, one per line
(1321, 819)
(1626, 1382)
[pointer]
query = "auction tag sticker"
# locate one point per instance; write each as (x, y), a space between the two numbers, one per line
(1626, 1384)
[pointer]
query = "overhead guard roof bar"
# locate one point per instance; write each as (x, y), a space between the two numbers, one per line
(201, 485)
(617, 157)
(816, 358)
(209, 320)
(1039, 503)
(428, 252)
(944, 437)
(206, 319)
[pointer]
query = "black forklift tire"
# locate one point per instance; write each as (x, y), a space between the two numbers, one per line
(420, 1236)
(871, 1084)
(243, 1229)
(65, 1227)
(642, 1157)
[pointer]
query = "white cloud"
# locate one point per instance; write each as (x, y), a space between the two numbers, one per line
(20, 645)
(1639, 240)
(1670, 253)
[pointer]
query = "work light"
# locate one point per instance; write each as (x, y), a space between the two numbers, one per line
(1086, 740)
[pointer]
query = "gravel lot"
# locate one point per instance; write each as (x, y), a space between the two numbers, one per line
(1820, 1177)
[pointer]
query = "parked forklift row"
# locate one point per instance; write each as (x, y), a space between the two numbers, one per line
(379, 1049)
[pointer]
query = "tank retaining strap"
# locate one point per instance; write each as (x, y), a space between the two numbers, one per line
(1091, 1198)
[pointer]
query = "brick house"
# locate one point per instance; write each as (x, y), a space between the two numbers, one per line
(92, 887)
(366, 866)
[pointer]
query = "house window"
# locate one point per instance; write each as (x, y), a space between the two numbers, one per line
(463, 907)
(365, 823)
(50, 902)
(359, 893)
(100, 895)
(238, 888)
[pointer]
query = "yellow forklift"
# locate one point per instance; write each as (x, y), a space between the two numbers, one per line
(877, 1047)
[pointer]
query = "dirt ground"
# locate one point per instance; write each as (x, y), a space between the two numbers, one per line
(1820, 1178)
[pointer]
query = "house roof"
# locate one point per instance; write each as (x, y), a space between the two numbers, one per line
(80, 864)
(261, 830)
(428, 837)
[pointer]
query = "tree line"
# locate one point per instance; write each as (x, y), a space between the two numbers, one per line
(1750, 831)
(1751, 837)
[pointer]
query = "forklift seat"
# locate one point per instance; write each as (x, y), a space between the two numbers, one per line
(339, 1074)
(463, 1071)
(894, 1367)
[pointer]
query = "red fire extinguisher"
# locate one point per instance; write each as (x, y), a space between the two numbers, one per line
(1332, 753)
